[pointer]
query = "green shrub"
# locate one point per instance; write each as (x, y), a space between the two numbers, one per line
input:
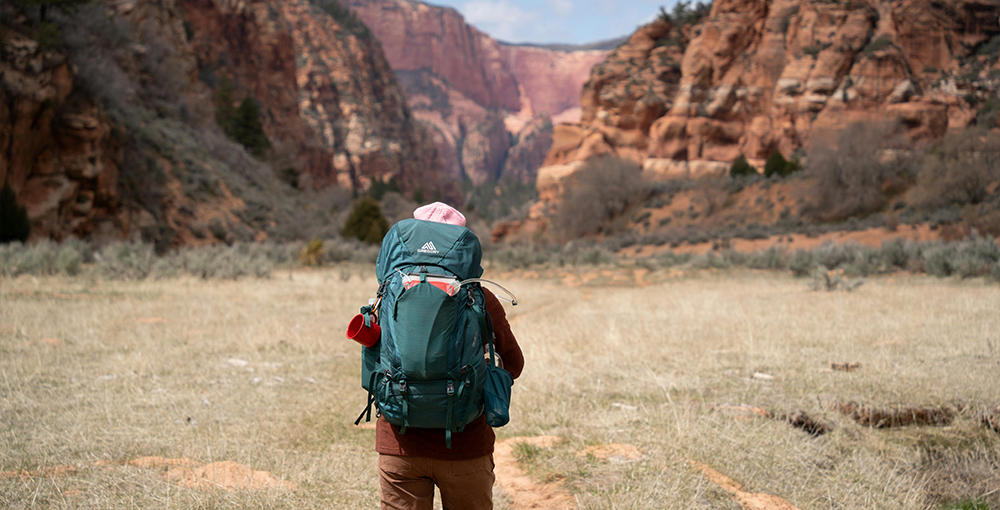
(14, 222)
(939, 259)
(366, 222)
(778, 165)
(774, 257)
(312, 253)
(48, 35)
(247, 129)
(221, 262)
(709, 261)
(741, 167)
(379, 188)
(967, 504)
(126, 261)
(866, 261)
(67, 6)
(242, 123)
(44, 258)
(801, 263)
(344, 17)
(68, 261)
(880, 43)
(975, 257)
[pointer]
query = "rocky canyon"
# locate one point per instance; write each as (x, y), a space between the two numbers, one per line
(489, 104)
(110, 130)
(758, 76)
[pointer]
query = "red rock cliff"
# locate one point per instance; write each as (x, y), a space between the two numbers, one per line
(760, 76)
(143, 116)
(472, 89)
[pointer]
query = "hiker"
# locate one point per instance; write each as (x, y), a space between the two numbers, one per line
(460, 462)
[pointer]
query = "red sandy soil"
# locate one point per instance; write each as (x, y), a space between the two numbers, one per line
(227, 475)
(747, 500)
(871, 237)
(522, 490)
(612, 452)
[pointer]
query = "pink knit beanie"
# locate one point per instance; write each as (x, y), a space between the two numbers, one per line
(440, 213)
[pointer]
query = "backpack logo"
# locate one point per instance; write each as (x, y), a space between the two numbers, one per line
(428, 247)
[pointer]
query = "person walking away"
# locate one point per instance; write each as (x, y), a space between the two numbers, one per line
(412, 461)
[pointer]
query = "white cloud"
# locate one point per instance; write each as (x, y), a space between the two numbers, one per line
(501, 19)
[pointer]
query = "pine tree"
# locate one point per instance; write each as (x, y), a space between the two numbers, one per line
(247, 128)
(775, 165)
(741, 167)
(366, 222)
(14, 222)
(66, 6)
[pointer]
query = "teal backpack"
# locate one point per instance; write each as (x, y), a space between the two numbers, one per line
(428, 369)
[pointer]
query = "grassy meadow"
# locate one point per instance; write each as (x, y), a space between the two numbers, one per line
(678, 363)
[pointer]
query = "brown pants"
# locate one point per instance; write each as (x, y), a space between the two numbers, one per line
(408, 483)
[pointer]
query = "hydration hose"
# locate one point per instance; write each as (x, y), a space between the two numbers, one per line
(512, 299)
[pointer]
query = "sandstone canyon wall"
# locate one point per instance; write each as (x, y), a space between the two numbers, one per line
(476, 93)
(112, 131)
(758, 76)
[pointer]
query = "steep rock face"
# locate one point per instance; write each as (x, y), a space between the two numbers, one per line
(325, 88)
(419, 36)
(550, 80)
(57, 155)
(133, 147)
(468, 86)
(760, 76)
(528, 153)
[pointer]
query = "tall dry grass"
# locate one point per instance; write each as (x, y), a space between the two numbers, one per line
(258, 372)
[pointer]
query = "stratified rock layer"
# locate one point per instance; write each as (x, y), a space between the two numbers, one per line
(760, 76)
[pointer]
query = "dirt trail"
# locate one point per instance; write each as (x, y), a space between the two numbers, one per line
(747, 500)
(522, 490)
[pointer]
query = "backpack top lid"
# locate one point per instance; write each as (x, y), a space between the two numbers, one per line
(413, 242)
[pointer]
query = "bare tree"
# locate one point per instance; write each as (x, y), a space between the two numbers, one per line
(854, 173)
(599, 192)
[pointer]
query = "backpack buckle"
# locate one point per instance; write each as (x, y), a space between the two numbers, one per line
(451, 388)
(402, 386)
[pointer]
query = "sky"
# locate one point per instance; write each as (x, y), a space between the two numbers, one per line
(556, 21)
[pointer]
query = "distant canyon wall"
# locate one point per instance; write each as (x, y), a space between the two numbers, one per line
(476, 93)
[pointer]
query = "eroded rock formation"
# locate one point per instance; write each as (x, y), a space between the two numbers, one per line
(759, 76)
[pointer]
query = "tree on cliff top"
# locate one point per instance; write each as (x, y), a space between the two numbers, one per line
(344, 17)
(684, 14)
(43, 5)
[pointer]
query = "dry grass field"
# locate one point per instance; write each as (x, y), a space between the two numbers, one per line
(638, 379)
